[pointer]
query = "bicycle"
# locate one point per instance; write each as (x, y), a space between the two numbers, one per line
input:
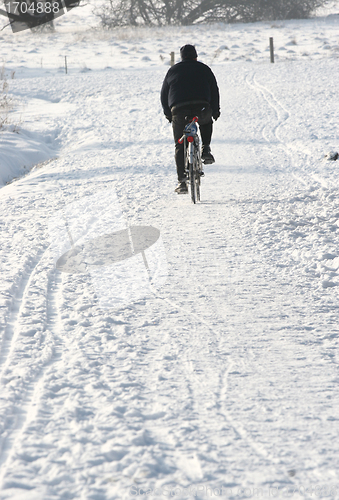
(193, 164)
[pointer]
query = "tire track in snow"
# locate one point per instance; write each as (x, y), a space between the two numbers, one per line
(12, 331)
(54, 329)
(283, 115)
(205, 372)
(238, 428)
(186, 460)
(270, 133)
(273, 133)
(21, 417)
(196, 366)
(203, 369)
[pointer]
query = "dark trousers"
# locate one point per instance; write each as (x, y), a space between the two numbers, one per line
(180, 118)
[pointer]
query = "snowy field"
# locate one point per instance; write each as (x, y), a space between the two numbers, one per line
(220, 379)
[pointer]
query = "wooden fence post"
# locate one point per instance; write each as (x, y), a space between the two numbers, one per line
(172, 59)
(271, 50)
(66, 64)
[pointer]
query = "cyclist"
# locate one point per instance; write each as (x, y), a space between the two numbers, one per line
(190, 89)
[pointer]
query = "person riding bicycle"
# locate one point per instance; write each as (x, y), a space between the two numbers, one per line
(190, 89)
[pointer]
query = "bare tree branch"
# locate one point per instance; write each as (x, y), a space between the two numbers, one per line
(185, 12)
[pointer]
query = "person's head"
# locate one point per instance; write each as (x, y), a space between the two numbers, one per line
(188, 52)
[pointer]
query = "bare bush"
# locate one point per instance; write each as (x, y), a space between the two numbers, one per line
(185, 12)
(285, 9)
(5, 101)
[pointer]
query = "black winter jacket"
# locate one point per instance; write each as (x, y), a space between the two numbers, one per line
(189, 80)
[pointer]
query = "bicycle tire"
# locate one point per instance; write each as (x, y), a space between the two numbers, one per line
(192, 181)
(193, 170)
(197, 187)
(197, 175)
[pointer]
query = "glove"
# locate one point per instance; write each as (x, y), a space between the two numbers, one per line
(216, 115)
(169, 118)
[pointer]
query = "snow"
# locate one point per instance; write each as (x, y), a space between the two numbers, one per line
(216, 375)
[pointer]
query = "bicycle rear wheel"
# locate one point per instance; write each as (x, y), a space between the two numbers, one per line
(197, 186)
(192, 182)
(197, 170)
(194, 174)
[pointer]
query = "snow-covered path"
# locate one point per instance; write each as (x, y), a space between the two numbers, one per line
(228, 376)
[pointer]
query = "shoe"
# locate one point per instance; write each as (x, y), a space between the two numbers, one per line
(181, 187)
(207, 156)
